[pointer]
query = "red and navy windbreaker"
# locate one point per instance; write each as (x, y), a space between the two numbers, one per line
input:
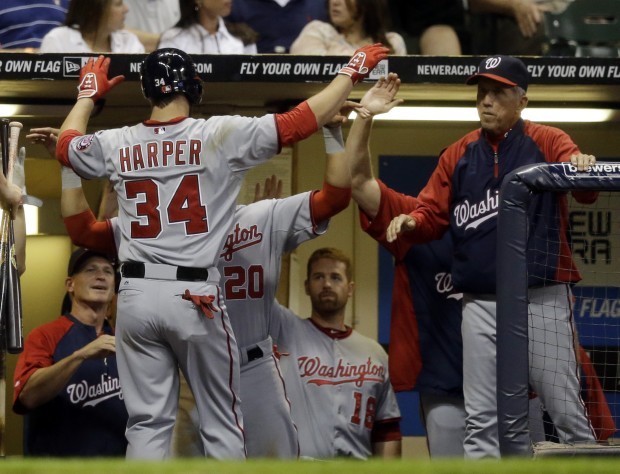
(88, 416)
(462, 194)
(426, 347)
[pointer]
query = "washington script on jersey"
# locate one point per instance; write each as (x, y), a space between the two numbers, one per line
(318, 373)
(147, 155)
(444, 286)
(92, 395)
(239, 239)
(472, 215)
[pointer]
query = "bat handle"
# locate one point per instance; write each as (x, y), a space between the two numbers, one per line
(14, 317)
(15, 130)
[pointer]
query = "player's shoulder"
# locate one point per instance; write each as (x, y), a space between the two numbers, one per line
(540, 131)
(468, 138)
(368, 342)
(53, 330)
(113, 136)
(256, 213)
(458, 149)
(294, 202)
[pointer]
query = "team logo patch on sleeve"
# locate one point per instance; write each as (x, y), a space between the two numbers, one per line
(85, 142)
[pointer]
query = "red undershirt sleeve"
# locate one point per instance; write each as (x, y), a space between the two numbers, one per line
(86, 231)
(62, 147)
(297, 124)
(386, 430)
(329, 201)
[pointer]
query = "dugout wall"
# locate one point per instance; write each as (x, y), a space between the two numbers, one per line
(514, 263)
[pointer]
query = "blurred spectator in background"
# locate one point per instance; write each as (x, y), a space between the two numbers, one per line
(148, 19)
(202, 30)
(93, 26)
(432, 28)
(277, 22)
(23, 24)
(352, 23)
(510, 27)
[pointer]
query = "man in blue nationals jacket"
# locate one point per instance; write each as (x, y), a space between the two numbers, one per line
(66, 381)
(462, 196)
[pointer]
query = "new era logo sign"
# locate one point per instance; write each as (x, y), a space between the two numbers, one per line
(72, 66)
(381, 70)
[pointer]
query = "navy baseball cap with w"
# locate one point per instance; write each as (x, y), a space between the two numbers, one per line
(79, 258)
(505, 69)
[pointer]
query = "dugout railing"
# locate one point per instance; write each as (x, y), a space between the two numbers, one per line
(518, 193)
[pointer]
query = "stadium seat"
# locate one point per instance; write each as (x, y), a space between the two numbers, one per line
(587, 28)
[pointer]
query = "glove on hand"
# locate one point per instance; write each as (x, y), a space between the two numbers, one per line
(364, 61)
(94, 82)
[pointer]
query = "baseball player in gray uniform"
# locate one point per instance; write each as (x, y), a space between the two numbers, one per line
(250, 265)
(337, 379)
(250, 262)
(177, 179)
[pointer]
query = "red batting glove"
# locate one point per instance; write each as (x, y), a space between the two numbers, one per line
(94, 82)
(363, 61)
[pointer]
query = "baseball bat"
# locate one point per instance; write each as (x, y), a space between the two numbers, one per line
(4, 216)
(14, 317)
(4, 223)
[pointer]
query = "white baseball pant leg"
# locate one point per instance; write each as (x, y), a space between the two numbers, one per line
(480, 376)
(267, 419)
(186, 439)
(156, 333)
(444, 420)
(554, 372)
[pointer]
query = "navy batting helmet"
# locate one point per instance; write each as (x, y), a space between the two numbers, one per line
(169, 71)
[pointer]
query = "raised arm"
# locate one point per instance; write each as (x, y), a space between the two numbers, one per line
(335, 194)
(94, 84)
(82, 226)
(328, 102)
(379, 99)
(18, 185)
(318, 110)
(10, 195)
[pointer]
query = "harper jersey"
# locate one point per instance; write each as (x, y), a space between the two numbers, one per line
(339, 385)
(88, 416)
(463, 194)
(176, 182)
(425, 329)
